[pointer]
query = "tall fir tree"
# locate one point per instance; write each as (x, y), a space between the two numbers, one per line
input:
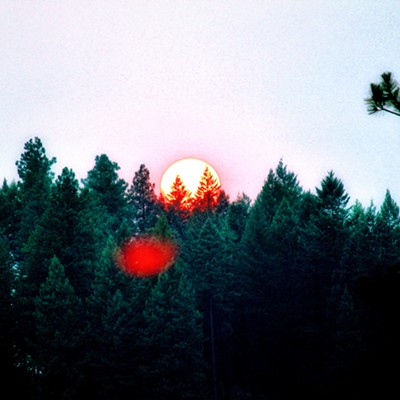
(54, 234)
(387, 232)
(59, 325)
(331, 231)
(10, 212)
(178, 204)
(34, 170)
(143, 200)
(237, 215)
(172, 339)
(208, 193)
(110, 190)
(269, 251)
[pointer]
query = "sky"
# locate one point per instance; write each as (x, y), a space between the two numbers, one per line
(239, 84)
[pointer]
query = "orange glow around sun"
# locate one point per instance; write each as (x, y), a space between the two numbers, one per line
(190, 171)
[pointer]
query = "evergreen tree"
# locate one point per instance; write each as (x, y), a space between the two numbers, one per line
(223, 202)
(203, 254)
(142, 198)
(34, 170)
(178, 203)
(11, 377)
(387, 232)
(59, 327)
(54, 234)
(209, 253)
(10, 210)
(269, 269)
(114, 315)
(172, 340)
(110, 190)
(237, 214)
(331, 232)
(208, 193)
(333, 198)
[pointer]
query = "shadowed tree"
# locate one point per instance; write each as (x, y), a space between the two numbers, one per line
(270, 273)
(172, 340)
(10, 207)
(110, 190)
(237, 214)
(12, 378)
(384, 96)
(142, 198)
(59, 326)
(36, 179)
(55, 233)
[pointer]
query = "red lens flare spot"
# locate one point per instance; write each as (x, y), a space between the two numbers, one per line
(146, 256)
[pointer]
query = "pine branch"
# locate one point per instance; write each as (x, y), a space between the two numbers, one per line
(389, 111)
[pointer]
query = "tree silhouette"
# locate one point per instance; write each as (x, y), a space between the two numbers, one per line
(178, 202)
(384, 96)
(207, 194)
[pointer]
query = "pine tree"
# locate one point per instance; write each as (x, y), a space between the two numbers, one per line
(34, 170)
(208, 252)
(142, 198)
(333, 197)
(387, 231)
(331, 230)
(10, 211)
(178, 203)
(237, 215)
(54, 234)
(359, 253)
(59, 326)
(110, 190)
(208, 193)
(8, 370)
(271, 279)
(223, 203)
(114, 319)
(172, 340)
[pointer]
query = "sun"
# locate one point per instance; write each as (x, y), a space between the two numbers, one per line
(190, 170)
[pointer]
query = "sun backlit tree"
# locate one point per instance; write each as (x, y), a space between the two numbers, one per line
(208, 193)
(179, 200)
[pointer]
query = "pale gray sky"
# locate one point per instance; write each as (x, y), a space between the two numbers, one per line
(239, 84)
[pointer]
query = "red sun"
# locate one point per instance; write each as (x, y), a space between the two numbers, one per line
(190, 171)
(146, 256)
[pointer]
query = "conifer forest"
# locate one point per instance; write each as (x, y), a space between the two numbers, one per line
(294, 294)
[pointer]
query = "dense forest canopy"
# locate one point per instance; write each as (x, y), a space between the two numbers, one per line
(296, 293)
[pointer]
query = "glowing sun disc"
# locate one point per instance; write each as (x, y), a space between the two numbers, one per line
(190, 171)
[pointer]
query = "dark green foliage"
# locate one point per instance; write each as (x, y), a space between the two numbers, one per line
(296, 295)
(34, 170)
(173, 340)
(59, 326)
(110, 191)
(237, 214)
(54, 234)
(142, 198)
(10, 209)
(384, 96)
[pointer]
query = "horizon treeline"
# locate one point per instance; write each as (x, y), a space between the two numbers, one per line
(294, 294)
